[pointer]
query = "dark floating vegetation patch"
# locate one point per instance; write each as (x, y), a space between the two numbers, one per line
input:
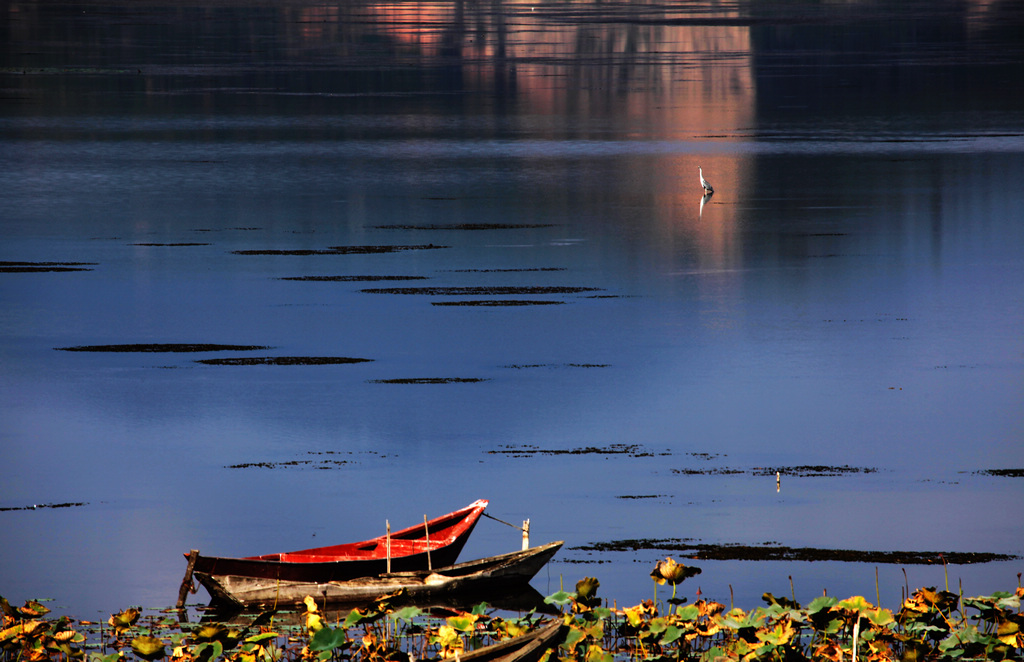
(504, 271)
(632, 450)
(164, 347)
(429, 380)
(12, 267)
(776, 552)
(641, 496)
(314, 464)
(351, 279)
(705, 456)
(321, 464)
(37, 506)
(1006, 473)
(339, 250)
(525, 366)
(485, 290)
(497, 303)
(467, 226)
(283, 360)
(800, 471)
(180, 243)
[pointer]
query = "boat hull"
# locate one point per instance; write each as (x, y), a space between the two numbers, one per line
(447, 535)
(525, 648)
(479, 576)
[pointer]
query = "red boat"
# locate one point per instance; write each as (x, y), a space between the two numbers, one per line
(408, 551)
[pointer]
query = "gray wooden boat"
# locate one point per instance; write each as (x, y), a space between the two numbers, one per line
(479, 576)
(525, 648)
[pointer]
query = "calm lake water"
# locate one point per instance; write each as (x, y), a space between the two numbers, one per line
(846, 309)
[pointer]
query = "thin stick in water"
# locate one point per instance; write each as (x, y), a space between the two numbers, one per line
(426, 531)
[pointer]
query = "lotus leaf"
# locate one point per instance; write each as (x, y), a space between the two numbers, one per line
(597, 654)
(210, 632)
(149, 648)
(1009, 631)
(672, 572)
(261, 637)
(33, 609)
(561, 598)
(463, 622)
(586, 588)
(449, 640)
(407, 613)
(210, 650)
(779, 634)
(688, 613)
(124, 619)
(823, 603)
(672, 634)
(327, 639)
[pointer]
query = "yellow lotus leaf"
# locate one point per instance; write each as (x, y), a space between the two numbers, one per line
(314, 623)
(709, 608)
(778, 635)
(587, 587)
(634, 615)
(1009, 633)
(148, 647)
(857, 604)
(25, 627)
(672, 572)
(124, 619)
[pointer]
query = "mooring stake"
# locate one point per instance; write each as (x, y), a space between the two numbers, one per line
(186, 583)
(426, 531)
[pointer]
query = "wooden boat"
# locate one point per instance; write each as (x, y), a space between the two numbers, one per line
(483, 577)
(525, 648)
(434, 543)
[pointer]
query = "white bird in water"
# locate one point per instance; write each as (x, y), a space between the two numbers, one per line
(704, 182)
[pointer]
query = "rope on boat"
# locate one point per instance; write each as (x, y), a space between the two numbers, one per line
(504, 522)
(525, 528)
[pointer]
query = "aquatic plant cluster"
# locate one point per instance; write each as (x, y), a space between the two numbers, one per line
(931, 625)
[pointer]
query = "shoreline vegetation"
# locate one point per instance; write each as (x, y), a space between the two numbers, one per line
(931, 624)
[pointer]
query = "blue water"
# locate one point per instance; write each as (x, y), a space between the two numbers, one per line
(852, 295)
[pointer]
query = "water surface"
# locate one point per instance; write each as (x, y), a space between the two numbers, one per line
(633, 362)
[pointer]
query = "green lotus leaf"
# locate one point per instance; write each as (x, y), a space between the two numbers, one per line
(560, 598)
(688, 613)
(261, 637)
(672, 634)
(327, 639)
(823, 603)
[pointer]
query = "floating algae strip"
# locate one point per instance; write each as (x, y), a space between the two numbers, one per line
(775, 552)
(284, 360)
(350, 279)
(36, 267)
(480, 290)
(429, 380)
(338, 250)
(164, 347)
(498, 303)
